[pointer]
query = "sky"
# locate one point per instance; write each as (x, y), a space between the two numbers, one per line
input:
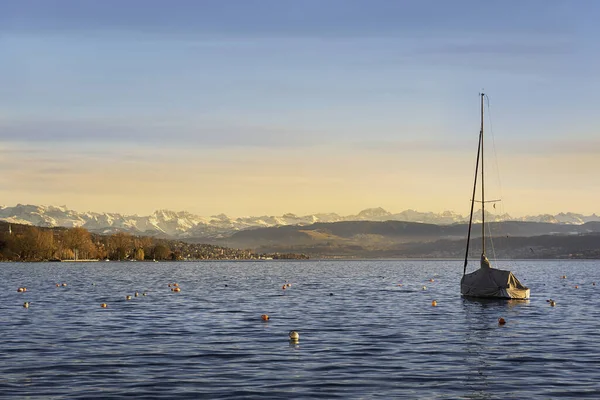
(249, 107)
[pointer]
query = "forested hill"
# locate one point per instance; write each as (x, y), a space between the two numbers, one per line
(411, 239)
(398, 231)
(28, 243)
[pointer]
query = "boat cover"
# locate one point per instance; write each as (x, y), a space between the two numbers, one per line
(492, 283)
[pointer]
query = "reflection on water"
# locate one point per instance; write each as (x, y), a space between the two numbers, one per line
(362, 335)
(494, 303)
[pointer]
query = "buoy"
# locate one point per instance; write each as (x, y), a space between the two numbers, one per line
(564, 277)
(127, 297)
(26, 304)
(283, 287)
(175, 284)
(294, 336)
(576, 287)
(20, 290)
(431, 280)
(58, 284)
(289, 285)
(593, 283)
(24, 289)
(331, 294)
(424, 287)
(144, 294)
(169, 285)
(177, 289)
(64, 284)
(399, 285)
(501, 321)
(434, 303)
(103, 305)
(264, 317)
(136, 294)
(552, 303)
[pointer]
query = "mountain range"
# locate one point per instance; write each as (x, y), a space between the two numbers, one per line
(185, 225)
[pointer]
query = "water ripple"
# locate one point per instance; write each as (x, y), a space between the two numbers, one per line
(361, 335)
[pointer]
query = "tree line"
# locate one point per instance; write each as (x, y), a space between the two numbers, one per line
(30, 243)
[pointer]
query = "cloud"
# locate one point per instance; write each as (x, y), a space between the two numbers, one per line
(144, 132)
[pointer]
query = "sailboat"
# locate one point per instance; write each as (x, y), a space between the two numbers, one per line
(487, 282)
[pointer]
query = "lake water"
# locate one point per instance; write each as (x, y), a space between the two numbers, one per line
(361, 335)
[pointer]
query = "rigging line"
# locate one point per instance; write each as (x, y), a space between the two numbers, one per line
(491, 129)
(472, 204)
(492, 243)
(497, 167)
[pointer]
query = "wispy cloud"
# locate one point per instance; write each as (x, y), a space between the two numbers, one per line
(153, 132)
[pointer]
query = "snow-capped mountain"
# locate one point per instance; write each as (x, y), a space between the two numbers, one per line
(183, 224)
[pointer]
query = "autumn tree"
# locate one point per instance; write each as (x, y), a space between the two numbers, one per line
(139, 254)
(146, 243)
(161, 252)
(46, 246)
(80, 242)
(120, 245)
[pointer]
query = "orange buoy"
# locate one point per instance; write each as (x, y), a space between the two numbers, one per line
(58, 284)
(284, 287)
(576, 286)
(175, 284)
(289, 285)
(434, 303)
(564, 277)
(431, 280)
(20, 290)
(501, 321)
(24, 289)
(64, 284)
(264, 317)
(177, 289)
(103, 305)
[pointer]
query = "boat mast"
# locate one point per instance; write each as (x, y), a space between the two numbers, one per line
(482, 184)
(479, 149)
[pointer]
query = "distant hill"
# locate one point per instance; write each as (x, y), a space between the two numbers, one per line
(411, 239)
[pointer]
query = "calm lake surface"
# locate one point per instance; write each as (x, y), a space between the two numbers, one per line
(361, 335)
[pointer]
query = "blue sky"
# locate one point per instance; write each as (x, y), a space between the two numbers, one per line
(265, 107)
